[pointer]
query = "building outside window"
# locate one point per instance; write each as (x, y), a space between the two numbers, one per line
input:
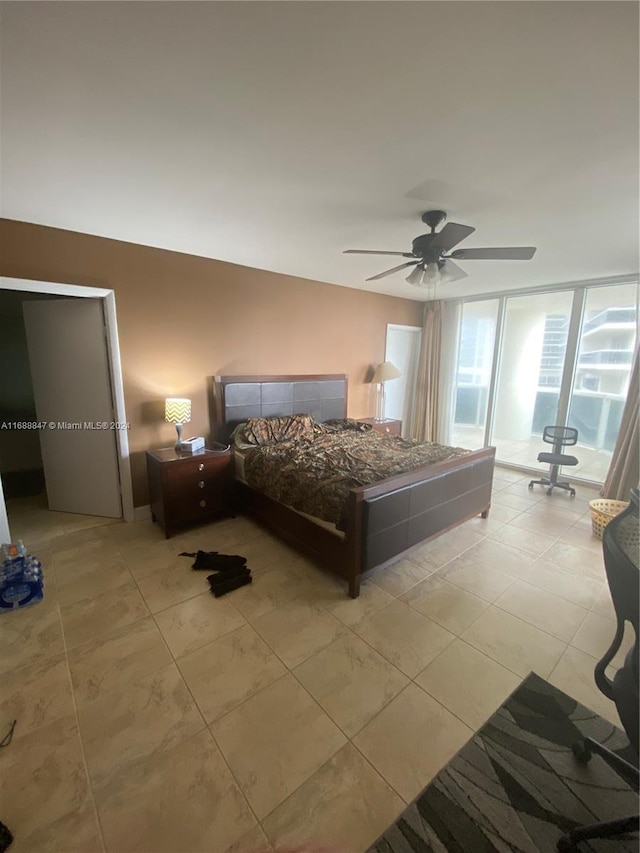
(603, 368)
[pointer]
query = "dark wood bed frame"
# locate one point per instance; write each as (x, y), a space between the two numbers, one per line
(386, 519)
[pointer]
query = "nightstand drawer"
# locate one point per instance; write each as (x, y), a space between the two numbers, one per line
(388, 427)
(189, 489)
(193, 487)
(194, 504)
(197, 469)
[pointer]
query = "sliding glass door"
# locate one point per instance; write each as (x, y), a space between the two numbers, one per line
(528, 361)
(532, 356)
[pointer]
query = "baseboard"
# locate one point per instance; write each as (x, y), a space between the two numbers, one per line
(142, 513)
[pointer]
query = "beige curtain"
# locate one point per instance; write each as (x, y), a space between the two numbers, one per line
(624, 471)
(426, 417)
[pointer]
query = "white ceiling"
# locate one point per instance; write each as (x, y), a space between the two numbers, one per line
(276, 135)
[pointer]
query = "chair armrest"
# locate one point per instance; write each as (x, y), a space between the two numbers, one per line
(602, 680)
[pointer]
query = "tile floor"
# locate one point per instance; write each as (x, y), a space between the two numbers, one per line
(153, 717)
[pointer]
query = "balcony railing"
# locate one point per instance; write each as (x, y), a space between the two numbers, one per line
(605, 356)
(611, 315)
(596, 416)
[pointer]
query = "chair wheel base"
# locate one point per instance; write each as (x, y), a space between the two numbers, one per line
(566, 845)
(581, 751)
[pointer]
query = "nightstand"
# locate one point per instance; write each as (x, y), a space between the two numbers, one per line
(187, 488)
(388, 426)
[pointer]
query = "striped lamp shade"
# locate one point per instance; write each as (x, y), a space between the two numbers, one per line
(177, 410)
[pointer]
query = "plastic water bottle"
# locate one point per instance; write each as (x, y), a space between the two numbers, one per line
(21, 579)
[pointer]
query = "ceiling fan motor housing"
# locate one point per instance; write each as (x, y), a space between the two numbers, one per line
(421, 248)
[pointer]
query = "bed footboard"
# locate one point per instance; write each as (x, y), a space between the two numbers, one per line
(394, 520)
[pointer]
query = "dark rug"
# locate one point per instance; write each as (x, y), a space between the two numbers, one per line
(516, 785)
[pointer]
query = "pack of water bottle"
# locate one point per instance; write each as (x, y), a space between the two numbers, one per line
(21, 580)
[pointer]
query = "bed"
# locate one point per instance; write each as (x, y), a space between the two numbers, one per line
(382, 521)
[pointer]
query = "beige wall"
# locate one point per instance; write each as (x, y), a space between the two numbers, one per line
(183, 319)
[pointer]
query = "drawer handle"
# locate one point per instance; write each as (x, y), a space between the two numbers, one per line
(201, 466)
(203, 503)
(201, 484)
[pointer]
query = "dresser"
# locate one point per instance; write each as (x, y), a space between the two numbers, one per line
(388, 426)
(187, 488)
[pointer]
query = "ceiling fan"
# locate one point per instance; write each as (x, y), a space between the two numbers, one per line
(431, 254)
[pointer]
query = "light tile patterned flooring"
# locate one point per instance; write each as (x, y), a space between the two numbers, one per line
(153, 717)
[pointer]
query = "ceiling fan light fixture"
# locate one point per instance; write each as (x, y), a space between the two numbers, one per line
(443, 275)
(432, 274)
(416, 276)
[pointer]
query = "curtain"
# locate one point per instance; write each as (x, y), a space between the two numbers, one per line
(451, 312)
(624, 470)
(426, 410)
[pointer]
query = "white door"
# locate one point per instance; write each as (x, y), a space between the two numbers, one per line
(72, 390)
(403, 350)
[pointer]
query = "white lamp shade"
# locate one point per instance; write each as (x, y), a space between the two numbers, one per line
(416, 276)
(427, 276)
(385, 371)
(432, 273)
(177, 410)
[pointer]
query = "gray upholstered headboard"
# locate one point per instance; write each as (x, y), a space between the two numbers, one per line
(237, 398)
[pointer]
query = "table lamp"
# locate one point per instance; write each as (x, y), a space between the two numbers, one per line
(177, 410)
(382, 374)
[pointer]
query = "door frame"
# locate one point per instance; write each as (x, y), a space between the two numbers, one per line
(400, 327)
(115, 369)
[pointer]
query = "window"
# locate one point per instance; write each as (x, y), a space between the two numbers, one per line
(565, 357)
(475, 358)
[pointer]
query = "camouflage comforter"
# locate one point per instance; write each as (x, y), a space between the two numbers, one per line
(315, 476)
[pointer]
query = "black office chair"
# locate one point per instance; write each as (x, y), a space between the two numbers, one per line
(560, 437)
(620, 544)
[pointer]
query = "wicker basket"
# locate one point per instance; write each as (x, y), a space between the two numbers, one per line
(602, 511)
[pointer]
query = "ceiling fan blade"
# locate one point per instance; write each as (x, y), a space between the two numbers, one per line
(395, 269)
(452, 271)
(450, 236)
(374, 252)
(511, 253)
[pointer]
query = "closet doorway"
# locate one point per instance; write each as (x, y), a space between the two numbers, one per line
(70, 344)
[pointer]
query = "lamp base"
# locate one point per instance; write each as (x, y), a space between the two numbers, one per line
(380, 404)
(179, 440)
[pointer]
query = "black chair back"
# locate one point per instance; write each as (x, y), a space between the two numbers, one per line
(560, 436)
(621, 550)
(621, 547)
